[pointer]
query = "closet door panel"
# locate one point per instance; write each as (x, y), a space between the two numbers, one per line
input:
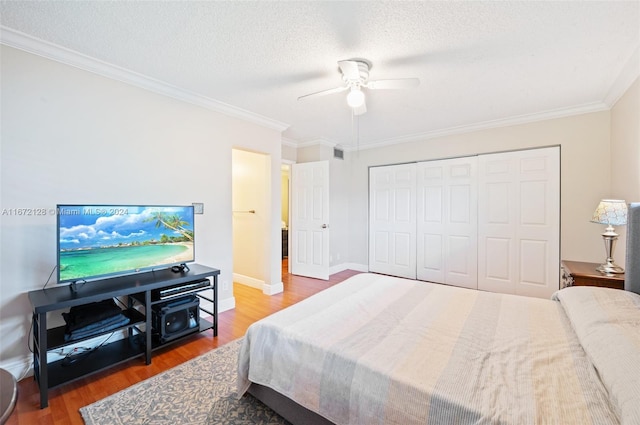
(533, 266)
(447, 221)
(392, 209)
(494, 264)
(431, 248)
(431, 261)
(519, 195)
(457, 256)
(497, 225)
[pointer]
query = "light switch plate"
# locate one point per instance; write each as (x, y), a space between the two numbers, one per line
(198, 208)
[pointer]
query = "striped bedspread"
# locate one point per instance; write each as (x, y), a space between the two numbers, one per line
(384, 350)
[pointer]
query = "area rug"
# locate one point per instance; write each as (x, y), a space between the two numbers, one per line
(200, 391)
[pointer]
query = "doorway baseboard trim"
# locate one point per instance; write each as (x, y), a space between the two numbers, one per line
(226, 304)
(258, 284)
(248, 280)
(272, 289)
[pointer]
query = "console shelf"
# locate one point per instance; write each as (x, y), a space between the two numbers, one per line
(61, 372)
(204, 325)
(137, 343)
(55, 338)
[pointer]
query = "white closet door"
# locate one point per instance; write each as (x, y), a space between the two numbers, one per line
(392, 220)
(519, 222)
(447, 243)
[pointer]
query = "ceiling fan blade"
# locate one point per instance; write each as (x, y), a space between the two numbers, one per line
(324, 92)
(350, 70)
(401, 83)
(360, 109)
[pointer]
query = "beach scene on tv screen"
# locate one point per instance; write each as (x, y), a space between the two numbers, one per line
(105, 240)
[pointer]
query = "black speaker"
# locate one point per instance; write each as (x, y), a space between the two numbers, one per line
(175, 318)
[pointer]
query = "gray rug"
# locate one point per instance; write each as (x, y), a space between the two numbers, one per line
(200, 391)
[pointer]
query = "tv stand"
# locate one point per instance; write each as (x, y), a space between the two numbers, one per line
(138, 342)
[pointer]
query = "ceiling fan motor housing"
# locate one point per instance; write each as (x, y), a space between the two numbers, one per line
(361, 79)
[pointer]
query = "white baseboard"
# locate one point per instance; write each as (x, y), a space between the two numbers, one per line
(272, 289)
(258, 284)
(19, 367)
(226, 304)
(348, 266)
(247, 280)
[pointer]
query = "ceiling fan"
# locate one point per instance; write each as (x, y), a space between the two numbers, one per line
(355, 74)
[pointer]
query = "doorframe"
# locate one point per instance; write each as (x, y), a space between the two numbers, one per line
(272, 283)
(288, 163)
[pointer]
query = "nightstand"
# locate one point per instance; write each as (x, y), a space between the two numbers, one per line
(578, 273)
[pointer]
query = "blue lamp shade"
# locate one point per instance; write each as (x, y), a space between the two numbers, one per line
(611, 211)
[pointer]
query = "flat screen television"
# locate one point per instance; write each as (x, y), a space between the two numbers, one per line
(97, 241)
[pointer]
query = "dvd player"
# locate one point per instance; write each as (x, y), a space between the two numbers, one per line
(181, 289)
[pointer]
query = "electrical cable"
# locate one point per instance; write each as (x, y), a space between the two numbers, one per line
(74, 357)
(49, 278)
(30, 335)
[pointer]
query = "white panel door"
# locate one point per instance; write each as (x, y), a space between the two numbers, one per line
(519, 222)
(309, 216)
(446, 194)
(392, 220)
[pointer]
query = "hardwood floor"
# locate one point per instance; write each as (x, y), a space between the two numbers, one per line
(251, 305)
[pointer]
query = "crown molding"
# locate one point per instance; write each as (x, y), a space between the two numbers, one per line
(630, 71)
(321, 142)
(28, 43)
(485, 125)
(289, 142)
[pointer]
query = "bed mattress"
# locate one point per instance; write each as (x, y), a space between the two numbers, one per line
(384, 350)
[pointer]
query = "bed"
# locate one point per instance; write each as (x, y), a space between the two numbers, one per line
(377, 349)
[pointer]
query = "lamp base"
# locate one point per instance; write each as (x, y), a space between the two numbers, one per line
(610, 268)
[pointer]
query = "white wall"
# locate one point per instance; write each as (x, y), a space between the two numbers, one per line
(289, 153)
(625, 156)
(70, 136)
(625, 145)
(585, 162)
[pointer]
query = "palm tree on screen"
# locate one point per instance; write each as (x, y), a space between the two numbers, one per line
(173, 222)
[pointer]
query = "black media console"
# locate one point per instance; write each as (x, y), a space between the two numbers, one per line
(144, 303)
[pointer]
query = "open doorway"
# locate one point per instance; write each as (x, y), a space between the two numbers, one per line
(285, 182)
(251, 205)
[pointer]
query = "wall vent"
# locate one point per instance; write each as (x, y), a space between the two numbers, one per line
(338, 153)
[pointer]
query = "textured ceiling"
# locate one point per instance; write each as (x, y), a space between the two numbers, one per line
(478, 62)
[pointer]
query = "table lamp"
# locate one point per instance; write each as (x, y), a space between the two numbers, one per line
(610, 212)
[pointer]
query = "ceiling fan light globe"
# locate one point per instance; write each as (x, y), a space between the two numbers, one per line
(355, 98)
